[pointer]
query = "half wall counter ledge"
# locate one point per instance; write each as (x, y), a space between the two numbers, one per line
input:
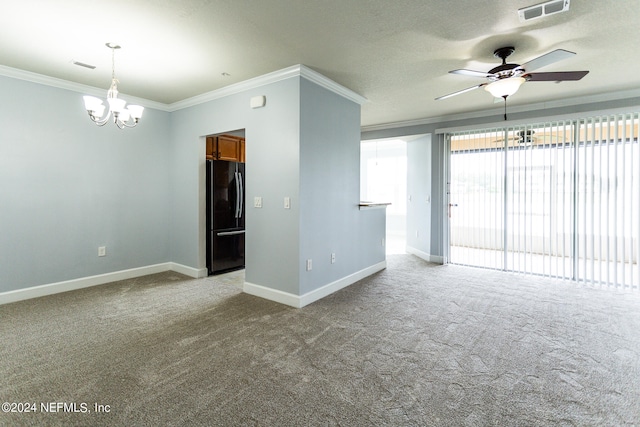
(373, 205)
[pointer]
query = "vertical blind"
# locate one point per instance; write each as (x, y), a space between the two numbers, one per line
(559, 199)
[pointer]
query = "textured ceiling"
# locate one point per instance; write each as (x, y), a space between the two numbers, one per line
(396, 54)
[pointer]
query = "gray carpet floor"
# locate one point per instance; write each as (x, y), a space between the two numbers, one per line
(416, 344)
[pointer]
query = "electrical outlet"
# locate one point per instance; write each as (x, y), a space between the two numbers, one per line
(309, 265)
(257, 202)
(333, 258)
(102, 251)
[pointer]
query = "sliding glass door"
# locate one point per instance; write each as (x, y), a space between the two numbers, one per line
(556, 199)
(476, 199)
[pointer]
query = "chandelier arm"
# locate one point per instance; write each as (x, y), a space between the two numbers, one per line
(123, 125)
(102, 121)
(129, 125)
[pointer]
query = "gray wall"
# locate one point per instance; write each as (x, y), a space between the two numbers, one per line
(438, 204)
(272, 171)
(304, 144)
(68, 186)
(419, 190)
(330, 220)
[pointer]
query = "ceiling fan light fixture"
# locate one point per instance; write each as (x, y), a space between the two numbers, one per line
(504, 87)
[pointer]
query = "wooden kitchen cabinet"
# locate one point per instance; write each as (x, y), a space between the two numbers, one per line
(242, 150)
(226, 147)
(210, 145)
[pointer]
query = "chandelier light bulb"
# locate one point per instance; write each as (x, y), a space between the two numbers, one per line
(118, 111)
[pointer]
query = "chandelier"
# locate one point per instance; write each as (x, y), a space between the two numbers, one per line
(122, 116)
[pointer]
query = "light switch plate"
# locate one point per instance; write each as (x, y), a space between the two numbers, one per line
(257, 202)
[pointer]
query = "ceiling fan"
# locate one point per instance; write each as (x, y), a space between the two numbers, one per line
(522, 137)
(531, 137)
(505, 79)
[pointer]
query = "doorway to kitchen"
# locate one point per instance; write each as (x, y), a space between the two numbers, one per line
(225, 202)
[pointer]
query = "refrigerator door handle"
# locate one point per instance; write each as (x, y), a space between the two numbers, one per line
(211, 190)
(237, 194)
(241, 198)
(230, 233)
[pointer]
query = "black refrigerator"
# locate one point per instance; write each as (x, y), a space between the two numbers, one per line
(225, 216)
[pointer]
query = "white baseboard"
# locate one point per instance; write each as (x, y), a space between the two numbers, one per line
(332, 287)
(425, 256)
(100, 279)
(271, 294)
(292, 300)
(196, 273)
(299, 301)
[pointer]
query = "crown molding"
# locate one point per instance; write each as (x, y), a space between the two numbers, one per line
(75, 87)
(329, 84)
(276, 76)
(315, 77)
(567, 102)
(236, 88)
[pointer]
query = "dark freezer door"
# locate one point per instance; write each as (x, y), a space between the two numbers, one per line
(227, 250)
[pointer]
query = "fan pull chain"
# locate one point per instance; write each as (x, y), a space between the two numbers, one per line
(505, 108)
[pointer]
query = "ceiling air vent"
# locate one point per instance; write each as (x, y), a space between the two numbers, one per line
(83, 64)
(543, 9)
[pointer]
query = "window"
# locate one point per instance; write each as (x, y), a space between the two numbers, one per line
(383, 178)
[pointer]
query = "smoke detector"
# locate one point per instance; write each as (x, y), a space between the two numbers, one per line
(543, 9)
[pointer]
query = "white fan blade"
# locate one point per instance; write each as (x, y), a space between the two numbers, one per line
(469, 89)
(546, 59)
(471, 73)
